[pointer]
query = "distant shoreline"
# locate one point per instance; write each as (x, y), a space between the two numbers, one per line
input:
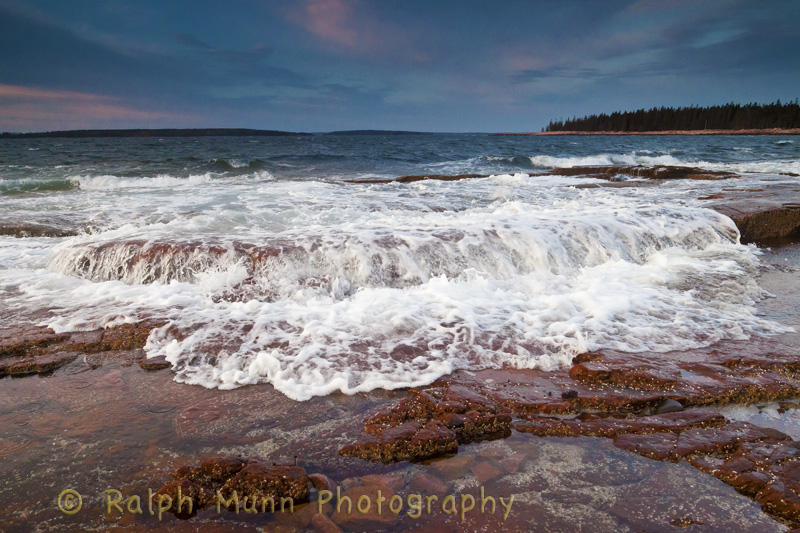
(187, 132)
(771, 131)
(147, 133)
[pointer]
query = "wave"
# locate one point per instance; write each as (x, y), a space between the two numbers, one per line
(779, 166)
(631, 159)
(504, 241)
(24, 186)
(232, 164)
(399, 300)
(514, 161)
(110, 182)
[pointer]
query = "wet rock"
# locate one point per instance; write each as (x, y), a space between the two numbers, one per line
(220, 469)
(429, 423)
(410, 441)
(613, 393)
(323, 524)
(261, 481)
(17, 341)
(749, 483)
(20, 366)
(250, 478)
(669, 406)
(182, 472)
(657, 173)
(25, 230)
(724, 439)
(635, 376)
(495, 453)
(485, 472)
(154, 363)
(685, 521)
(453, 467)
(611, 427)
(657, 446)
(763, 222)
(424, 483)
(512, 463)
(396, 482)
(420, 177)
(779, 500)
(376, 512)
(127, 336)
(200, 496)
(321, 482)
(302, 516)
(85, 341)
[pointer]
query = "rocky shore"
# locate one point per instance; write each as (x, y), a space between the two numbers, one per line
(618, 441)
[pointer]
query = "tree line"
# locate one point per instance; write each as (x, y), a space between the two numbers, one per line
(720, 117)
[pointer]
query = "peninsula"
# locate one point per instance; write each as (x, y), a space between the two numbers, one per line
(729, 119)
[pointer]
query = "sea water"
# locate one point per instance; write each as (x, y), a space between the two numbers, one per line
(286, 260)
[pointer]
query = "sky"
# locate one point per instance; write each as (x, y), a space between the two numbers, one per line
(432, 65)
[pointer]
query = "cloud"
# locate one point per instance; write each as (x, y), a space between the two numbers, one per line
(350, 26)
(334, 20)
(34, 108)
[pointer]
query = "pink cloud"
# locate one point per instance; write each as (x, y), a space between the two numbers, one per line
(346, 25)
(333, 20)
(27, 108)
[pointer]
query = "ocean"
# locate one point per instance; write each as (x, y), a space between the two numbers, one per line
(267, 261)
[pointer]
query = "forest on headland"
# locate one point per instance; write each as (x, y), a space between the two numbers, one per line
(721, 117)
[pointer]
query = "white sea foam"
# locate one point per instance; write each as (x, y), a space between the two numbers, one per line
(319, 286)
(329, 288)
(110, 182)
(772, 166)
(633, 158)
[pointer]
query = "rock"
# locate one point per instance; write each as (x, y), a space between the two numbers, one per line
(220, 469)
(637, 376)
(28, 229)
(453, 467)
(669, 406)
(127, 336)
(722, 440)
(424, 483)
(657, 173)
(321, 482)
(485, 472)
(779, 500)
(323, 524)
(410, 441)
(154, 363)
(200, 497)
(261, 481)
(750, 483)
(20, 366)
(512, 463)
(430, 423)
(657, 446)
(396, 482)
(347, 514)
(17, 341)
(764, 224)
(495, 453)
(249, 478)
(302, 516)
